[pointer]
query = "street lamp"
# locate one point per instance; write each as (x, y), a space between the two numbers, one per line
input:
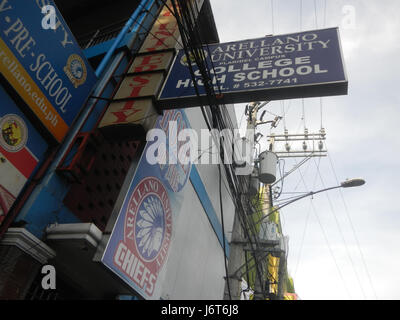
(348, 183)
(352, 183)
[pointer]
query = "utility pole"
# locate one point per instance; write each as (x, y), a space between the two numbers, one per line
(259, 290)
(259, 248)
(264, 244)
(238, 246)
(237, 252)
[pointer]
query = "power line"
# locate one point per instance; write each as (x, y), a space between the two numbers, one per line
(315, 14)
(321, 109)
(272, 17)
(302, 239)
(326, 239)
(340, 232)
(303, 113)
(192, 42)
(283, 114)
(353, 230)
(301, 15)
(306, 223)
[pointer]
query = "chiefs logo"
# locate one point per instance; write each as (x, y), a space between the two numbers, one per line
(148, 223)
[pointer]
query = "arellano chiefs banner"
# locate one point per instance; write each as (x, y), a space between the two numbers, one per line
(45, 66)
(21, 149)
(142, 235)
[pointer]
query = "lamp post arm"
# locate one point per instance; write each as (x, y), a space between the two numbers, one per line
(311, 193)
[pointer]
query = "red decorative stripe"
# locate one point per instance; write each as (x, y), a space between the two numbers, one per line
(6, 200)
(23, 160)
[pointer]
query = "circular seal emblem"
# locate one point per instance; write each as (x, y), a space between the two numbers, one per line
(148, 223)
(184, 59)
(14, 133)
(76, 70)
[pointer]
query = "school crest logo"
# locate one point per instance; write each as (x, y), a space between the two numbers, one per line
(13, 133)
(185, 61)
(76, 70)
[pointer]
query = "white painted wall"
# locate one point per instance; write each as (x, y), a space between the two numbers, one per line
(195, 265)
(210, 176)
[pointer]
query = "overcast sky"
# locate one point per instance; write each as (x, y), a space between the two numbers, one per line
(343, 244)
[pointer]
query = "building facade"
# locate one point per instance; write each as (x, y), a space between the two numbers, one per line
(91, 204)
(64, 189)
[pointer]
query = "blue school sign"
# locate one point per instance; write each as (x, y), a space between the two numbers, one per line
(45, 66)
(298, 65)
